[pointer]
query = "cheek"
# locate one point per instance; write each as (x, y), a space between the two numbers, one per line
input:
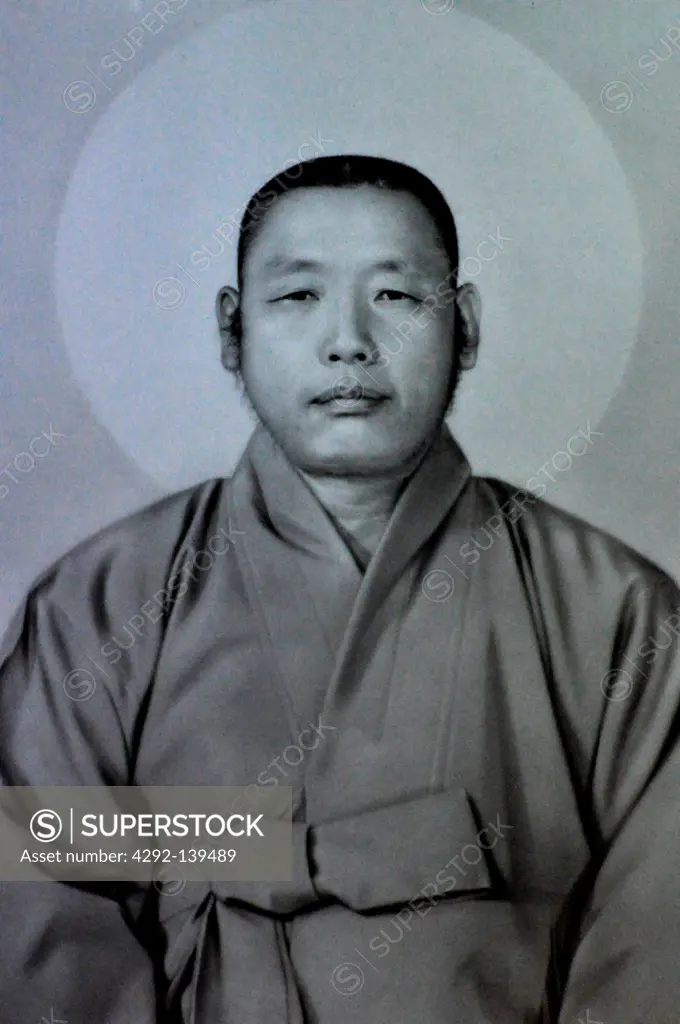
(427, 358)
(264, 358)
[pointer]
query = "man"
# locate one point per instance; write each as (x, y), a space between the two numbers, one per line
(484, 830)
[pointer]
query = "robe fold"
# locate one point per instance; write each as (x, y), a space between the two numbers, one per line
(486, 777)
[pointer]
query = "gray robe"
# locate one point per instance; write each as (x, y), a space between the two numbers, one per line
(486, 796)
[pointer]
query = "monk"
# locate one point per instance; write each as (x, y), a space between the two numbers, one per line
(473, 694)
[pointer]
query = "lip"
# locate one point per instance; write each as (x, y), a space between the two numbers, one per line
(340, 408)
(352, 406)
(354, 395)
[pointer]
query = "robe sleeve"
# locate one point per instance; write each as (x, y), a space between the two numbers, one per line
(70, 952)
(625, 965)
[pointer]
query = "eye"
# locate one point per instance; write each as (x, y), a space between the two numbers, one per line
(297, 296)
(394, 295)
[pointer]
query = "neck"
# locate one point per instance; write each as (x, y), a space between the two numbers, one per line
(364, 498)
(354, 498)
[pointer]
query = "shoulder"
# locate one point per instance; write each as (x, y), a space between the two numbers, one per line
(567, 546)
(145, 544)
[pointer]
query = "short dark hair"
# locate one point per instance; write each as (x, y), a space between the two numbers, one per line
(349, 171)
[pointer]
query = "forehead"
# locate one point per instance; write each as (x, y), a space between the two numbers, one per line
(347, 225)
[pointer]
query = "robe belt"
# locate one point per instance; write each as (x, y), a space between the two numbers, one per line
(376, 859)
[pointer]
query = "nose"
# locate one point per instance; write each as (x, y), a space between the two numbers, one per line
(349, 338)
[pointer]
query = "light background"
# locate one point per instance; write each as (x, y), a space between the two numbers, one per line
(505, 110)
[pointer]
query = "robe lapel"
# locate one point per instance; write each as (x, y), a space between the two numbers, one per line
(426, 502)
(300, 574)
(369, 656)
(391, 687)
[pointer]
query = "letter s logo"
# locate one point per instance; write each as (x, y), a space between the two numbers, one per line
(45, 826)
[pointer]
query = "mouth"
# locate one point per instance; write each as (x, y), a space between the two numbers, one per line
(350, 392)
(345, 399)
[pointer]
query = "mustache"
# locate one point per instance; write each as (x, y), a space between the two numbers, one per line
(350, 388)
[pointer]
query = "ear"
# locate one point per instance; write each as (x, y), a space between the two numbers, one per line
(469, 304)
(227, 311)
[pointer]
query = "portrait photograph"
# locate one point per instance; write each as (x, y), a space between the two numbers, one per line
(339, 512)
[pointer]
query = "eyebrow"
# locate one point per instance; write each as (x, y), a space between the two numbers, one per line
(290, 265)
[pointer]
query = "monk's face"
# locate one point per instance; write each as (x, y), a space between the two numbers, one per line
(343, 379)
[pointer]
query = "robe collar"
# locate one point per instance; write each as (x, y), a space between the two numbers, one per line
(315, 606)
(297, 515)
